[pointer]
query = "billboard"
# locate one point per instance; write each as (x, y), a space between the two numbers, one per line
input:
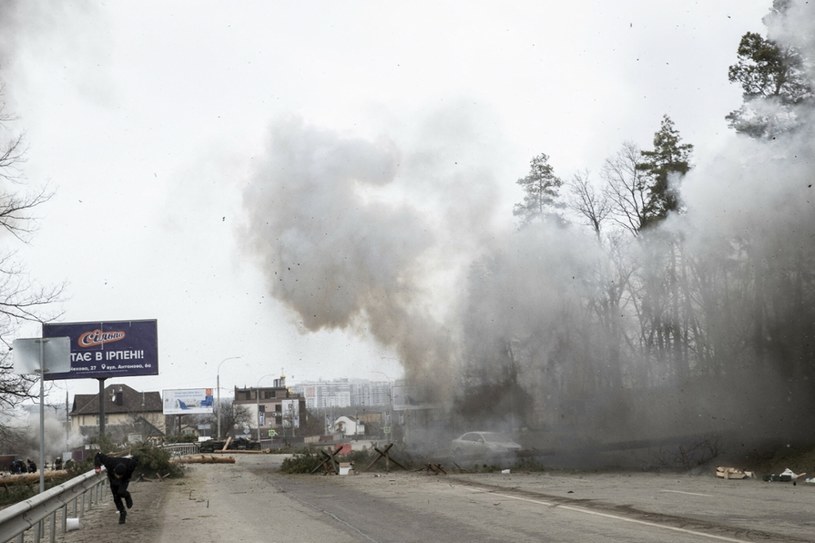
(291, 413)
(188, 401)
(105, 349)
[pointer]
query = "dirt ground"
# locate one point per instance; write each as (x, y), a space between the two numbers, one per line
(208, 505)
(172, 511)
(212, 503)
(144, 521)
(179, 510)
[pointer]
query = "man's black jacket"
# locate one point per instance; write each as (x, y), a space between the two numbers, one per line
(110, 463)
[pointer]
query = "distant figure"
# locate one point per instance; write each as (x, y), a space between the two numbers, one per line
(120, 470)
(58, 463)
(17, 466)
(32, 467)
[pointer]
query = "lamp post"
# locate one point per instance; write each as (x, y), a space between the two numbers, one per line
(257, 401)
(218, 391)
(41, 356)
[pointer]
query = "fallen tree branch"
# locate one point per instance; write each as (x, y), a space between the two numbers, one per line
(203, 459)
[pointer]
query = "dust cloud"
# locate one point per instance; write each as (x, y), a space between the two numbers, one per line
(702, 325)
(361, 236)
(22, 434)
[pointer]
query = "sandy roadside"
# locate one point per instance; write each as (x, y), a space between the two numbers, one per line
(101, 524)
(211, 503)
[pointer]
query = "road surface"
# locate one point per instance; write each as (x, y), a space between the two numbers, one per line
(251, 501)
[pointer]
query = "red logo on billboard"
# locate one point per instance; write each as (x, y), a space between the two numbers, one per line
(100, 337)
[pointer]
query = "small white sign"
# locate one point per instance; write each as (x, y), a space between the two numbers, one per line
(53, 354)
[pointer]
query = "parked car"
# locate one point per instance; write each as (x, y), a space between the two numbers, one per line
(487, 447)
(243, 443)
(235, 444)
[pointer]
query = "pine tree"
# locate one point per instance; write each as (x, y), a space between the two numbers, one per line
(541, 187)
(663, 166)
(774, 82)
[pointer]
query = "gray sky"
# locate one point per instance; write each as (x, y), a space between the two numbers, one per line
(152, 122)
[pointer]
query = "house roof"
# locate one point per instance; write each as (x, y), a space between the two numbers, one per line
(132, 401)
(148, 427)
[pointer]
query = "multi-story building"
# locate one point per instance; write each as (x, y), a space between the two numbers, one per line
(275, 410)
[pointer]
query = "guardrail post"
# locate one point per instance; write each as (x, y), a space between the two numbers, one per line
(54, 527)
(64, 518)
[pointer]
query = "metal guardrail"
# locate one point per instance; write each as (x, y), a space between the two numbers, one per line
(35, 519)
(180, 449)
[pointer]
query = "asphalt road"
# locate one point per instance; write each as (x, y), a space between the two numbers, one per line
(251, 501)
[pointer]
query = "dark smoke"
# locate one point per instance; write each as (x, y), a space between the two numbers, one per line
(703, 325)
(341, 251)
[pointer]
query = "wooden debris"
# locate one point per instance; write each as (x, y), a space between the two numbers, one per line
(31, 478)
(204, 459)
(724, 472)
(433, 469)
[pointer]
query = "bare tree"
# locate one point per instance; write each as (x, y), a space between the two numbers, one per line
(233, 415)
(594, 206)
(21, 299)
(626, 188)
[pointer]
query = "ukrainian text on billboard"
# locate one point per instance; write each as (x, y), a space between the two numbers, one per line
(108, 348)
(188, 401)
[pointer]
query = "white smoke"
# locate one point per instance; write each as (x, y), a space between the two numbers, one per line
(399, 242)
(25, 424)
(370, 238)
(795, 29)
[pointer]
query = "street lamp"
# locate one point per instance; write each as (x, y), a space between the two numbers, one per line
(42, 355)
(218, 391)
(257, 401)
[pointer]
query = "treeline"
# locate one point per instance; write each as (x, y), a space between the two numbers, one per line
(660, 295)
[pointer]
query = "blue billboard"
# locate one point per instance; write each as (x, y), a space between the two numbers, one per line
(108, 348)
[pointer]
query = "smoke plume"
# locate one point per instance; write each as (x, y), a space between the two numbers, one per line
(361, 236)
(548, 327)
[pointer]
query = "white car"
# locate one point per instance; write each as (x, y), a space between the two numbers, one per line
(484, 447)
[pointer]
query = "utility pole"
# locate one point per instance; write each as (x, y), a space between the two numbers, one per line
(218, 392)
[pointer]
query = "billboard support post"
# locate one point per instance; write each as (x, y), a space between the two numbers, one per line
(101, 407)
